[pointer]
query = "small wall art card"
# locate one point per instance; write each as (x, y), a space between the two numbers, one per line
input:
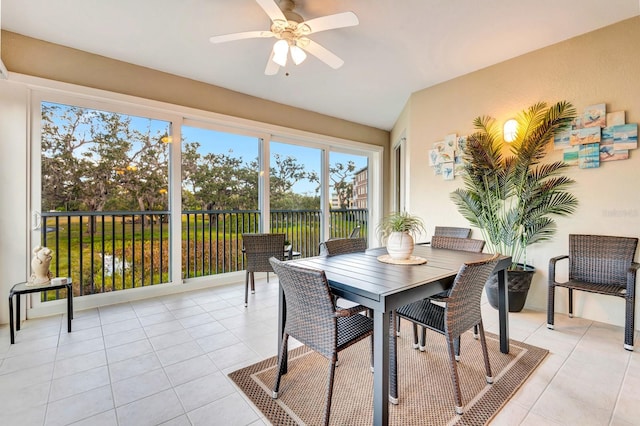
(444, 150)
(448, 170)
(451, 141)
(615, 118)
(595, 116)
(584, 136)
(577, 123)
(589, 156)
(561, 139)
(458, 165)
(570, 155)
(607, 148)
(625, 136)
(434, 155)
(462, 144)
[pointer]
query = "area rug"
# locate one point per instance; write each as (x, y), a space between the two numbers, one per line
(425, 388)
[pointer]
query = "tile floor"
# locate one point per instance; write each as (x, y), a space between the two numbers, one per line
(165, 361)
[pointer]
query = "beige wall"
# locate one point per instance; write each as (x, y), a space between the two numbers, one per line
(602, 66)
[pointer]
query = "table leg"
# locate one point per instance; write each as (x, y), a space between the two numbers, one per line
(18, 311)
(11, 319)
(282, 317)
(380, 367)
(503, 311)
(69, 308)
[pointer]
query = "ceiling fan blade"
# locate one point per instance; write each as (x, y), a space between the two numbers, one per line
(240, 36)
(329, 22)
(272, 68)
(272, 9)
(323, 54)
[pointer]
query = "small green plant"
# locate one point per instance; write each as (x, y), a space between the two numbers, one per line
(400, 222)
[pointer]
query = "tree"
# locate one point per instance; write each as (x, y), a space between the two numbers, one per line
(94, 160)
(342, 177)
(217, 181)
(282, 176)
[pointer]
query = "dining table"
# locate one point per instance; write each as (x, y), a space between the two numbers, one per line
(384, 287)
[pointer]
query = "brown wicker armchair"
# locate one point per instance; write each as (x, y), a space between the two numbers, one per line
(599, 264)
(258, 249)
(313, 319)
(461, 313)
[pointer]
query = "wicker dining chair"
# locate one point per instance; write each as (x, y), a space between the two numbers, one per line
(599, 264)
(461, 313)
(450, 231)
(342, 246)
(313, 319)
(355, 232)
(258, 249)
(450, 243)
(338, 246)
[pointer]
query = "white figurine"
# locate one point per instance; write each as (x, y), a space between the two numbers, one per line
(40, 266)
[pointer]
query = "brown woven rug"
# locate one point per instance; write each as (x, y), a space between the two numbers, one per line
(425, 388)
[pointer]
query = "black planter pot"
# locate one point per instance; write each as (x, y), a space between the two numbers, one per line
(518, 284)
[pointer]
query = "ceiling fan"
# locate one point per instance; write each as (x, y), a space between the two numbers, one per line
(292, 31)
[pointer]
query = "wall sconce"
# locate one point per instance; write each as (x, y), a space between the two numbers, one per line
(510, 130)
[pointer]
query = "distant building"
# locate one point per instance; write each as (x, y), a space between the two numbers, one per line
(360, 185)
(335, 201)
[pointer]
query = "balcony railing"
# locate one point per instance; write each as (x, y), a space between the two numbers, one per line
(112, 251)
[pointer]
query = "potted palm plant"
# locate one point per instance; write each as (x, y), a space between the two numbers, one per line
(514, 198)
(399, 229)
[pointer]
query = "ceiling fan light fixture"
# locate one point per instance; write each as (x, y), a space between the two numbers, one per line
(297, 55)
(280, 50)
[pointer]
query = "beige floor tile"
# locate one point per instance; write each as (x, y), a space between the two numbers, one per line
(231, 410)
(152, 410)
(178, 353)
(69, 410)
(199, 392)
(139, 386)
(107, 418)
(79, 383)
(134, 366)
(190, 369)
(80, 363)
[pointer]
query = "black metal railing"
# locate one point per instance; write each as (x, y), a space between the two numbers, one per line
(107, 251)
(111, 251)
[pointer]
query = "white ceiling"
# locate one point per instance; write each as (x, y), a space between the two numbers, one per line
(399, 47)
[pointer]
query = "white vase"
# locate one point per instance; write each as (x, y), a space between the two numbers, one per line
(400, 245)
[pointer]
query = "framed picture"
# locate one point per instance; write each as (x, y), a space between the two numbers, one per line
(589, 156)
(561, 139)
(584, 136)
(625, 136)
(448, 170)
(595, 116)
(615, 118)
